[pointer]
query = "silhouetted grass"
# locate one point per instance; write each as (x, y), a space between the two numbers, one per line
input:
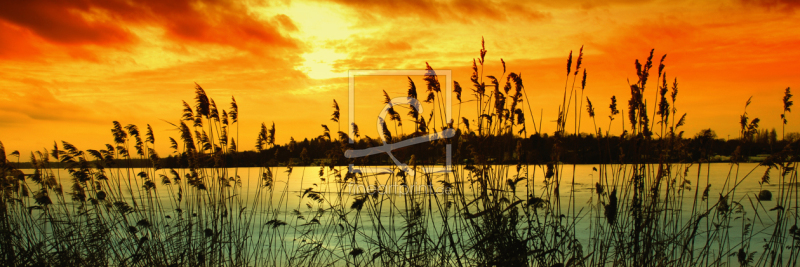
(647, 212)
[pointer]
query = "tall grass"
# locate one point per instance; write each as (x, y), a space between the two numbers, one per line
(642, 212)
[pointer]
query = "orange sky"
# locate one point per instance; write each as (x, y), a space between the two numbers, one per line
(70, 68)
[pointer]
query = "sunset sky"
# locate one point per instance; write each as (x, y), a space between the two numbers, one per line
(70, 68)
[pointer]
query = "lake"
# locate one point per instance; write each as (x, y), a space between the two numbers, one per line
(290, 200)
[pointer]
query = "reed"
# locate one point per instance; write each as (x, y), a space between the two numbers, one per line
(651, 202)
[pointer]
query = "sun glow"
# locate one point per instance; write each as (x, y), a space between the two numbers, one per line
(322, 26)
(319, 64)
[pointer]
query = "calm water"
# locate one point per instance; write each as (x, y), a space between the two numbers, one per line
(286, 207)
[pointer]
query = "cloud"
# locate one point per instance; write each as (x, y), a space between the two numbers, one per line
(15, 42)
(464, 11)
(781, 5)
(592, 4)
(107, 23)
(40, 104)
(718, 65)
(286, 22)
(63, 22)
(370, 53)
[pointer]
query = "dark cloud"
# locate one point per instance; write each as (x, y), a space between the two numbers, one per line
(14, 42)
(62, 22)
(109, 22)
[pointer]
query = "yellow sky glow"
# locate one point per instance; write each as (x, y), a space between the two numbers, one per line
(67, 70)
